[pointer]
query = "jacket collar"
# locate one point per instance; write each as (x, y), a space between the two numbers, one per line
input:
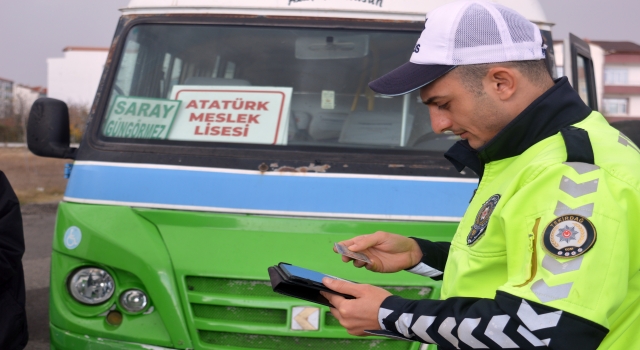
(558, 107)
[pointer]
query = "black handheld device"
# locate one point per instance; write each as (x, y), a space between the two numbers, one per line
(301, 283)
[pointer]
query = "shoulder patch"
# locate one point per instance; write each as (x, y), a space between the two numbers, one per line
(482, 219)
(569, 236)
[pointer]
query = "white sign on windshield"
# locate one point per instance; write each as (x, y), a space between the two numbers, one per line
(244, 114)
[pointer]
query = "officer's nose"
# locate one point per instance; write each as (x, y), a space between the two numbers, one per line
(439, 121)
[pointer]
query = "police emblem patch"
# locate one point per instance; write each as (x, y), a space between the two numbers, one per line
(482, 219)
(569, 236)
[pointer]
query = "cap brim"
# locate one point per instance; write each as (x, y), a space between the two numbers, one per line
(408, 77)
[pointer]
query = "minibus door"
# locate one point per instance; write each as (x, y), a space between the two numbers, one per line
(578, 67)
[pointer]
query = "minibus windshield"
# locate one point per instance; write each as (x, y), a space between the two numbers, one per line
(265, 86)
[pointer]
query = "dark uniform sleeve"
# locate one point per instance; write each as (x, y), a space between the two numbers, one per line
(506, 322)
(434, 258)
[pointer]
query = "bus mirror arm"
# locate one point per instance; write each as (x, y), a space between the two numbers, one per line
(48, 129)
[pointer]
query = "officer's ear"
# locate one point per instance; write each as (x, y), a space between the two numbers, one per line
(502, 82)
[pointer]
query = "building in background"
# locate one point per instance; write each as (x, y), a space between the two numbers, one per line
(6, 98)
(24, 97)
(617, 71)
(74, 78)
(621, 93)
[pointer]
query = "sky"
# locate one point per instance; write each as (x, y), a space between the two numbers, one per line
(33, 30)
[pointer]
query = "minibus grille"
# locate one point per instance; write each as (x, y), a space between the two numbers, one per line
(248, 314)
(240, 314)
(230, 286)
(210, 285)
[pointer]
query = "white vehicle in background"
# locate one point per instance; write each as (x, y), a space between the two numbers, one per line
(229, 135)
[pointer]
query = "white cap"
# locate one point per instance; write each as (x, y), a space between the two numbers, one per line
(461, 33)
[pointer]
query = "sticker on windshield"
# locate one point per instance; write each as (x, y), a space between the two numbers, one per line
(140, 117)
(328, 99)
(245, 114)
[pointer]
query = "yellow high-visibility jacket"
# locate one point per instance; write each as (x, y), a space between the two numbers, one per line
(548, 252)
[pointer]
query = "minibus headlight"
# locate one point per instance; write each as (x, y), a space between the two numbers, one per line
(91, 285)
(133, 300)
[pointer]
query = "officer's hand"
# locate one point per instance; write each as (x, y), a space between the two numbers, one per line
(358, 314)
(388, 252)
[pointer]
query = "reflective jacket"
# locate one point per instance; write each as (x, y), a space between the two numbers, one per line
(548, 251)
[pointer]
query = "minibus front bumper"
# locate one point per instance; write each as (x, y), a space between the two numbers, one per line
(61, 339)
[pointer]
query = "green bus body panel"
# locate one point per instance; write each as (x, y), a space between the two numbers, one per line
(206, 276)
(115, 238)
(244, 246)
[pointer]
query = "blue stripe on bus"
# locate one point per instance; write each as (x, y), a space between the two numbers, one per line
(346, 195)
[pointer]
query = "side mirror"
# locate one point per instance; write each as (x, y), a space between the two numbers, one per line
(48, 129)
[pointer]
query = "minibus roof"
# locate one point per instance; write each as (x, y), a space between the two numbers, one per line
(388, 10)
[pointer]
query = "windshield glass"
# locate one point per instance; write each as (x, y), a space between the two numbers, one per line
(265, 85)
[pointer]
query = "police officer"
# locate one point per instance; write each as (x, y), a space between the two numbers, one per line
(547, 253)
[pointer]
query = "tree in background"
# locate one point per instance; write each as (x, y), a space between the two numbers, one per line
(14, 126)
(21, 108)
(11, 127)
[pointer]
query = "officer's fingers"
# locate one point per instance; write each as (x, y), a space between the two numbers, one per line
(373, 266)
(335, 300)
(346, 258)
(336, 313)
(345, 243)
(343, 316)
(358, 263)
(345, 322)
(363, 242)
(344, 287)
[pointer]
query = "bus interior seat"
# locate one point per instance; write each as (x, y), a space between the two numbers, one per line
(326, 125)
(298, 127)
(314, 123)
(375, 128)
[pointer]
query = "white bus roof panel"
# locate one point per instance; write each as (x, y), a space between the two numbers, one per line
(399, 10)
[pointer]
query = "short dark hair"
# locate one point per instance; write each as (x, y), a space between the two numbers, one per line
(535, 71)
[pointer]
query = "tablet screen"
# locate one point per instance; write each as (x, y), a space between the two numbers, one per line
(304, 273)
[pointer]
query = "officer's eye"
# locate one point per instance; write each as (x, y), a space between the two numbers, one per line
(444, 106)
